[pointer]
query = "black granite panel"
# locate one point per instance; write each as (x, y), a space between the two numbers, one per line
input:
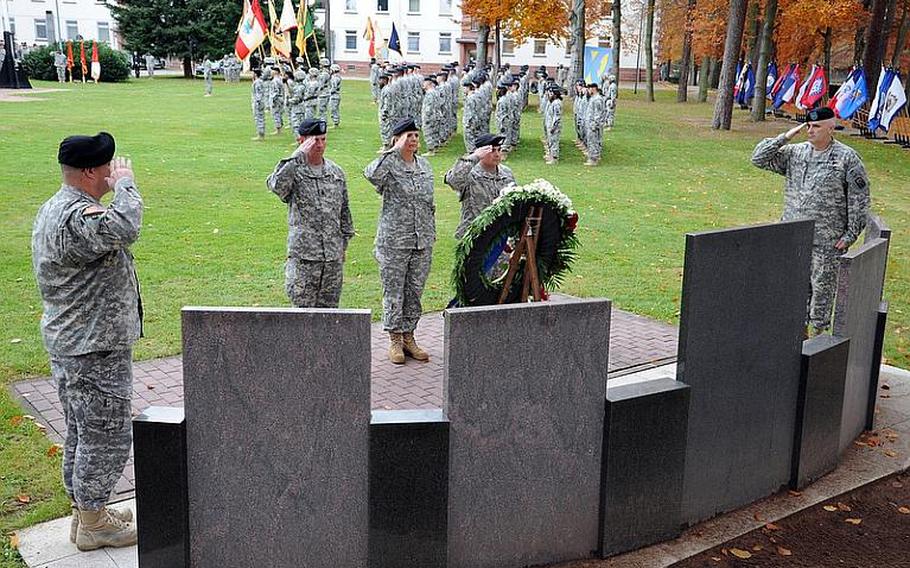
(856, 312)
(277, 416)
(643, 464)
(159, 459)
(876, 364)
(409, 465)
(818, 414)
(525, 388)
(741, 324)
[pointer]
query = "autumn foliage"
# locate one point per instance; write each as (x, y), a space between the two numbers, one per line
(526, 19)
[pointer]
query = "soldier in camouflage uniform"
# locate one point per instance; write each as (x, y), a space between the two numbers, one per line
(580, 103)
(404, 238)
(59, 64)
(322, 101)
(258, 97)
(611, 95)
(92, 316)
(826, 182)
(207, 75)
(310, 100)
(477, 178)
(513, 124)
(374, 79)
(276, 98)
(335, 95)
(553, 123)
(296, 99)
(432, 118)
(319, 219)
(595, 118)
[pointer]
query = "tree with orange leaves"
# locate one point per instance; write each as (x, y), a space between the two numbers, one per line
(809, 30)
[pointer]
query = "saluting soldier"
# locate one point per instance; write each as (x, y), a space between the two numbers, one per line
(826, 182)
(477, 178)
(92, 316)
(319, 219)
(405, 236)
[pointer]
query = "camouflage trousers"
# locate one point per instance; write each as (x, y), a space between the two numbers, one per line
(95, 391)
(322, 106)
(611, 115)
(259, 118)
(594, 143)
(309, 109)
(404, 274)
(468, 137)
(335, 109)
(433, 135)
(296, 117)
(313, 283)
(580, 128)
(278, 115)
(823, 281)
(61, 74)
(553, 145)
(512, 134)
(208, 86)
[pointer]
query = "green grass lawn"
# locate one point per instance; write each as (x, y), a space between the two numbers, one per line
(214, 235)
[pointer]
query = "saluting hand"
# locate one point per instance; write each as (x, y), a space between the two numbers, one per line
(795, 130)
(120, 168)
(481, 152)
(400, 142)
(305, 147)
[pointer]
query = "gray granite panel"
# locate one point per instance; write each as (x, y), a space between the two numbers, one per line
(277, 413)
(741, 324)
(644, 464)
(818, 414)
(875, 371)
(859, 292)
(525, 391)
(876, 228)
(409, 467)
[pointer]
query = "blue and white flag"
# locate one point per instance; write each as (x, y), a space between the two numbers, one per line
(851, 95)
(889, 100)
(394, 42)
(772, 78)
(787, 88)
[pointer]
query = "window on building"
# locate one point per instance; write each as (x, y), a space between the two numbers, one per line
(540, 47)
(382, 5)
(445, 7)
(72, 29)
(508, 45)
(475, 27)
(350, 40)
(104, 32)
(445, 42)
(41, 29)
(350, 6)
(413, 6)
(413, 42)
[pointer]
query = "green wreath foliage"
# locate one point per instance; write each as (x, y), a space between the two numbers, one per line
(551, 271)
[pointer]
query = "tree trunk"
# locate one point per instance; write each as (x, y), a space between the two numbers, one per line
(483, 34)
(497, 57)
(703, 79)
(327, 31)
(682, 91)
(753, 24)
(714, 74)
(577, 66)
(187, 67)
(723, 106)
(901, 37)
(859, 39)
(649, 50)
(764, 57)
(828, 35)
(890, 8)
(617, 38)
(872, 59)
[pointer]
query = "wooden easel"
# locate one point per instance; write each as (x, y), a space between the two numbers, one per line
(527, 248)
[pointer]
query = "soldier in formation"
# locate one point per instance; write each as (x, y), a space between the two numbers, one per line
(474, 114)
(207, 75)
(92, 316)
(611, 95)
(311, 100)
(296, 96)
(477, 178)
(580, 103)
(258, 93)
(276, 99)
(322, 97)
(400, 98)
(826, 182)
(335, 95)
(553, 123)
(433, 115)
(405, 236)
(319, 219)
(595, 119)
(59, 64)
(375, 70)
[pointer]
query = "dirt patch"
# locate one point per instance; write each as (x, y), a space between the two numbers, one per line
(866, 528)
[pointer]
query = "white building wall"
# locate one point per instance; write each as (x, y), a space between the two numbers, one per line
(71, 18)
(431, 22)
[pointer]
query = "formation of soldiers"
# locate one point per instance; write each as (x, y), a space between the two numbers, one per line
(294, 95)
(230, 68)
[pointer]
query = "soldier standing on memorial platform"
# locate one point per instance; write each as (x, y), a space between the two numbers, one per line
(92, 316)
(826, 182)
(405, 236)
(319, 219)
(477, 178)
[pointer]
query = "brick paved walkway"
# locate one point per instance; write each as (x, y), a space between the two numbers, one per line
(636, 342)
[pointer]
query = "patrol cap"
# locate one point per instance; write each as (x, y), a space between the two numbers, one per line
(404, 125)
(489, 140)
(86, 151)
(311, 127)
(821, 113)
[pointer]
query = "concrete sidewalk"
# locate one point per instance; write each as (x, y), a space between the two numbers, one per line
(47, 545)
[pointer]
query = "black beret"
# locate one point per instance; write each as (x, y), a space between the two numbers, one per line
(430, 79)
(467, 83)
(581, 83)
(556, 89)
(821, 113)
(404, 125)
(593, 85)
(311, 127)
(86, 151)
(479, 80)
(488, 140)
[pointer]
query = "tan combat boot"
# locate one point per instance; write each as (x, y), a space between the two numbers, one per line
(101, 528)
(411, 348)
(126, 515)
(396, 350)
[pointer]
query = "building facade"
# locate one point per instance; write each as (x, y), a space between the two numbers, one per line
(39, 22)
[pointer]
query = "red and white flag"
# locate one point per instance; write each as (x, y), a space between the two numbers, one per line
(815, 87)
(253, 31)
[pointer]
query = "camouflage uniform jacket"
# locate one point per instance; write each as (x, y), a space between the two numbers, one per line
(476, 187)
(85, 272)
(830, 187)
(319, 216)
(580, 108)
(335, 85)
(407, 219)
(258, 92)
(595, 112)
(553, 116)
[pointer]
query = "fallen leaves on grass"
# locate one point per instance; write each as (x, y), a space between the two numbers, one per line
(15, 421)
(54, 450)
(891, 453)
(23, 498)
(830, 508)
(14, 541)
(795, 493)
(16, 340)
(772, 527)
(844, 507)
(853, 521)
(740, 553)
(784, 551)
(903, 510)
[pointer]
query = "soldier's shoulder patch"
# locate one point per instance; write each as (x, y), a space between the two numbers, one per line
(93, 210)
(860, 181)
